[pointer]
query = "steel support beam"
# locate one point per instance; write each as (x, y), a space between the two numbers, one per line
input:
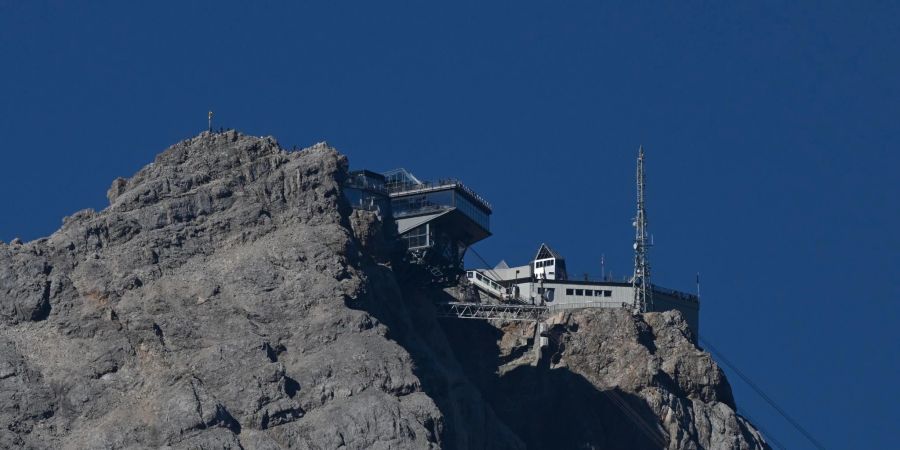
(486, 311)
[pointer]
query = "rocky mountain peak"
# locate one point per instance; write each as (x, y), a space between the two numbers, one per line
(228, 297)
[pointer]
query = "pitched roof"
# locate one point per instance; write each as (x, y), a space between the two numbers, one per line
(545, 252)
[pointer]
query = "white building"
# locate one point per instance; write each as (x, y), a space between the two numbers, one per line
(545, 281)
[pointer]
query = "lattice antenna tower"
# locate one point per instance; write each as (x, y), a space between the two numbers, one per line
(640, 281)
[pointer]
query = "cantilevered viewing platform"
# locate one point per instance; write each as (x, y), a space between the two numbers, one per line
(436, 221)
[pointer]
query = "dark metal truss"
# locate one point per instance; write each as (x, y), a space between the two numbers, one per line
(460, 310)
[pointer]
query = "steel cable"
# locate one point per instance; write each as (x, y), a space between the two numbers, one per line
(762, 394)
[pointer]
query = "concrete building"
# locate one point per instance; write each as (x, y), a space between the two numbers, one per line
(544, 281)
(438, 221)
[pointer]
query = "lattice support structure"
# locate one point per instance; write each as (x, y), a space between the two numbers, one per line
(485, 311)
(640, 280)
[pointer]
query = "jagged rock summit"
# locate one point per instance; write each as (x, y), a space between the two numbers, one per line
(228, 297)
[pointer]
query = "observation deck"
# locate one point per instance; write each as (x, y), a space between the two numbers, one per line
(426, 211)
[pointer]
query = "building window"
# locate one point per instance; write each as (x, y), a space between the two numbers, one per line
(579, 291)
(417, 237)
(607, 293)
(569, 292)
(588, 293)
(549, 263)
(469, 209)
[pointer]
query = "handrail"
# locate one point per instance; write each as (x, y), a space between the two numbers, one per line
(678, 294)
(554, 306)
(419, 210)
(355, 183)
(396, 188)
(490, 285)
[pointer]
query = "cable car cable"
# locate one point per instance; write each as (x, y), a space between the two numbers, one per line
(488, 266)
(769, 437)
(762, 394)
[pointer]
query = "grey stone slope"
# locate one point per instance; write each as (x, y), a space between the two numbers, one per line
(652, 358)
(207, 307)
(607, 379)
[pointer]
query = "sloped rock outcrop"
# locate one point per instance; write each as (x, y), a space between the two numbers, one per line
(653, 359)
(607, 379)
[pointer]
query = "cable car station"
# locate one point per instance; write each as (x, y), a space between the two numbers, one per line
(437, 222)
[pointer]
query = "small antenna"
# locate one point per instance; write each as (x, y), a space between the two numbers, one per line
(698, 285)
(603, 267)
(209, 117)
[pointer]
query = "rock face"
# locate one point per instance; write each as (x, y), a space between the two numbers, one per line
(674, 388)
(207, 306)
(606, 380)
(229, 298)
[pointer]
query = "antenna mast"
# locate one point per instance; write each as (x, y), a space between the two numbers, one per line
(640, 281)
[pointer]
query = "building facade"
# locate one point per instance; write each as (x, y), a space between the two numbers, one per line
(544, 281)
(438, 221)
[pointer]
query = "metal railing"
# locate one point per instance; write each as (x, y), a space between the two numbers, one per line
(419, 210)
(677, 294)
(487, 284)
(370, 206)
(355, 182)
(592, 304)
(592, 278)
(406, 188)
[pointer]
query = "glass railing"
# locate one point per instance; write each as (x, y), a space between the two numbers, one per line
(404, 212)
(402, 187)
(677, 294)
(356, 182)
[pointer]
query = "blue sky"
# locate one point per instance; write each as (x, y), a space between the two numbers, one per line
(770, 129)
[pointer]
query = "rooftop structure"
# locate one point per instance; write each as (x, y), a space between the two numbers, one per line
(544, 282)
(365, 189)
(436, 221)
(549, 265)
(420, 206)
